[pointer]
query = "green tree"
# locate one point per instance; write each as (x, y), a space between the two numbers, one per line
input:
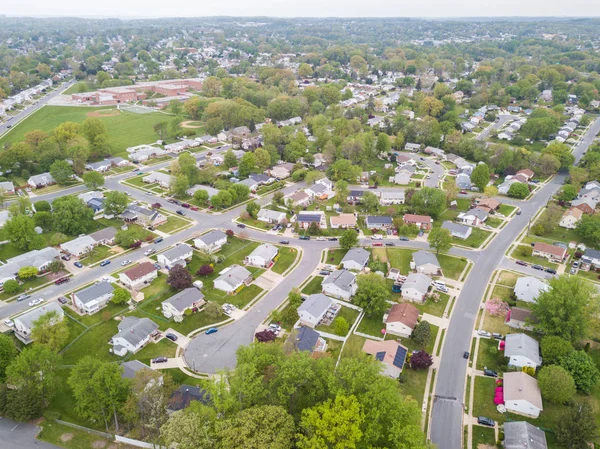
(576, 426)
(93, 179)
(313, 176)
(556, 384)
(589, 227)
(263, 159)
(372, 294)
(440, 239)
(20, 230)
(369, 202)
(50, 330)
(567, 193)
(223, 199)
(334, 424)
(429, 201)
(179, 185)
(214, 126)
(343, 169)
(422, 333)
(341, 326)
(247, 165)
(554, 348)
(61, 171)
(583, 369)
(252, 208)
(383, 145)
(11, 286)
(8, 352)
(44, 220)
(191, 428)
(71, 215)
(562, 152)
(481, 176)
(349, 239)
(201, 196)
(229, 159)
(42, 206)
(518, 190)
(115, 203)
(95, 132)
(120, 296)
(27, 272)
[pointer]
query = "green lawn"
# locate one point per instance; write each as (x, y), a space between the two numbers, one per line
(95, 342)
(70, 438)
(434, 308)
(255, 223)
(103, 315)
(483, 435)
(485, 357)
(477, 237)
(494, 222)
(532, 259)
(335, 256)
(101, 252)
(285, 259)
(506, 209)
(173, 224)
(79, 87)
(314, 286)
(353, 346)
(350, 315)
(180, 378)
(371, 326)
(164, 347)
(400, 259)
(413, 383)
(508, 278)
(452, 267)
(125, 130)
(483, 400)
(504, 293)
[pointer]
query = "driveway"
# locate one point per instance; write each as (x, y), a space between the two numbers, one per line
(268, 280)
(15, 435)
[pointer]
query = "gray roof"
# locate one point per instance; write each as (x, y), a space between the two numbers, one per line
(30, 317)
(379, 219)
(270, 214)
(418, 281)
(425, 257)
(185, 298)
(316, 305)
(212, 236)
(94, 291)
(134, 329)
(342, 279)
(248, 183)
(308, 217)
(521, 434)
(177, 251)
(44, 178)
(479, 213)
(79, 245)
(266, 251)
(35, 258)
(318, 188)
(358, 255)
(104, 234)
(235, 275)
(455, 227)
(140, 210)
(592, 253)
(522, 344)
(307, 338)
(528, 288)
(131, 368)
(260, 178)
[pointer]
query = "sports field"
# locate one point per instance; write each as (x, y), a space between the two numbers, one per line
(124, 130)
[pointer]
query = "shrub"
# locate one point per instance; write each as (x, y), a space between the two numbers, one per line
(205, 270)
(11, 286)
(229, 233)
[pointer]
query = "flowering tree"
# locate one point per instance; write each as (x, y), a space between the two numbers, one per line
(205, 270)
(496, 307)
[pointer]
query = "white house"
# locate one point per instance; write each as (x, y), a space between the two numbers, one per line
(43, 180)
(212, 241)
(139, 276)
(340, 284)
(473, 217)
(314, 308)
(426, 263)
(529, 288)
(415, 287)
(401, 320)
(389, 197)
(187, 299)
(522, 350)
(24, 323)
(162, 179)
(271, 216)
(176, 255)
(458, 230)
(522, 394)
(262, 256)
(93, 298)
(232, 279)
(356, 259)
(133, 334)
(570, 218)
(305, 218)
(79, 246)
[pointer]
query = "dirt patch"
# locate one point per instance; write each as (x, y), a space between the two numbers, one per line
(104, 113)
(66, 437)
(99, 444)
(192, 124)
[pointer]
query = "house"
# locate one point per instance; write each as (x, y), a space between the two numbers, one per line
(378, 222)
(319, 191)
(586, 205)
(473, 217)
(210, 190)
(38, 258)
(93, 298)
(522, 350)
(39, 181)
(390, 197)
(426, 263)
(7, 187)
(550, 252)
(250, 183)
(457, 230)
(401, 320)
(232, 279)
(262, 179)
(522, 435)
(340, 284)
(314, 309)
(390, 353)
(590, 259)
(414, 147)
(139, 276)
(529, 288)
(176, 255)
(271, 216)
(132, 367)
(519, 318)
(24, 323)
(143, 216)
(304, 219)
(401, 178)
(262, 256)
(423, 222)
(527, 173)
(81, 246)
(133, 334)
(439, 153)
(487, 204)
(146, 152)
(415, 287)
(281, 171)
(4, 216)
(342, 221)
(105, 236)
(522, 394)
(96, 204)
(355, 195)
(185, 395)
(162, 179)
(300, 198)
(212, 241)
(463, 181)
(309, 340)
(356, 259)
(505, 186)
(187, 299)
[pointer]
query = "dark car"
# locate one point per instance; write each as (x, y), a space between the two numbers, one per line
(486, 421)
(519, 212)
(520, 262)
(78, 264)
(171, 337)
(333, 239)
(537, 267)
(550, 270)
(170, 200)
(274, 228)
(466, 355)
(180, 212)
(63, 300)
(324, 273)
(240, 225)
(390, 244)
(490, 373)
(498, 336)
(104, 263)
(285, 242)
(65, 257)
(403, 239)
(161, 359)
(158, 240)
(186, 205)
(305, 237)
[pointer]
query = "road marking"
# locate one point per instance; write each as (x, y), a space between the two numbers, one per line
(205, 355)
(15, 427)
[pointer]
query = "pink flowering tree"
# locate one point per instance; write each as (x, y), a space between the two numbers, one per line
(496, 307)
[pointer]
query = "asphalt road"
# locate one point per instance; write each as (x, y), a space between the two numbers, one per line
(15, 435)
(503, 118)
(447, 414)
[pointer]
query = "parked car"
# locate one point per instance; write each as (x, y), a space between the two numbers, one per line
(241, 225)
(61, 281)
(157, 266)
(304, 237)
(573, 271)
(285, 242)
(23, 297)
(212, 330)
(486, 421)
(171, 337)
(390, 244)
(78, 264)
(519, 212)
(378, 244)
(520, 262)
(9, 323)
(65, 257)
(537, 267)
(186, 205)
(180, 212)
(498, 336)
(149, 251)
(550, 270)
(576, 264)
(158, 240)
(324, 273)
(333, 239)
(104, 263)
(125, 262)
(194, 208)
(466, 355)
(404, 239)
(161, 359)
(484, 333)
(490, 373)
(35, 302)
(170, 200)
(62, 300)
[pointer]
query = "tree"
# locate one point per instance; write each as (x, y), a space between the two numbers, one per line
(305, 70)
(518, 190)
(20, 230)
(369, 202)
(27, 272)
(61, 171)
(11, 286)
(179, 185)
(576, 426)
(341, 326)
(95, 132)
(247, 165)
(8, 352)
(567, 193)
(191, 428)
(420, 360)
(556, 384)
(42, 206)
(583, 369)
(343, 169)
(567, 308)
(263, 159)
(93, 179)
(223, 199)
(562, 152)
(428, 201)
(56, 266)
(201, 196)
(162, 129)
(554, 349)
(589, 227)
(333, 424)
(71, 215)
(383, 144)
(252, 208)
(349, 239)
(214, 126)
(313, 176)
(179, 278)
(422, 333)
(278, 197)
(490, 191)
(120, 296)
(257, 428)
(229, 159)
(44, 220)
(115, 203)
(205, 270)
(496, 307)
(440, 239)
(50, 330)
(481, 176)
(372, 294)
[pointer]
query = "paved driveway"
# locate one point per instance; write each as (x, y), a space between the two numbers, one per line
(15, 435)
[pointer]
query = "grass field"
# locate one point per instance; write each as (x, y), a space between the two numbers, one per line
(485, 357)
(287, 256)
(475, 240)
(71, 438)
(314, 286)
(400, 259)
(126, 130)
(452, 267)
(483, 435)
(350, 315)
(335, 256)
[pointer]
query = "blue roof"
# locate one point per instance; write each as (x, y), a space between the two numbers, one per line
(309, 217)
(307, 339)
(400, 357)
(379, 219)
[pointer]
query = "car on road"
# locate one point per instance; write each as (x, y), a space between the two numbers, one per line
(125, 262)
(9, 323)
(422, 158)
(161, 359)
(537, 267)
(61, 281)
(284, 242)
(490, 373)
(180, 212)
(78, 264)
(378, 244)
(186, 205)
(171, 337)
(23, 297)
(463, 192)
(158, 240)
(194, 208)
(484, 421)
(466, 355)
(320, 239)
(550, 270)
(240, 225)
(428, 177)
(520, 262)
(390, 244)
(104, 263)
(149, 251)
(403, 239)
(35, 302)
(376, 237)
(62, 300)
(212, 330)
(140, 173)
(304, 237)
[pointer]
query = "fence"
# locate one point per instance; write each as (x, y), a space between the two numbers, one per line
(85, 429)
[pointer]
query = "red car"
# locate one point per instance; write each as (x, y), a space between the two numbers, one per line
(463, 192)
(378, 244)
(186, 205)
(61, 281)
(194, 208)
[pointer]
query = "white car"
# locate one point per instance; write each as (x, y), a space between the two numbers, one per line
(35, 302)
(376, 237)
(321, 239)
(150, 251)
(9, 323)
(125, 262)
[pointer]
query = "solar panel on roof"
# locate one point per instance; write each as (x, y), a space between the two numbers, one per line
(400, 357)
(380, 355)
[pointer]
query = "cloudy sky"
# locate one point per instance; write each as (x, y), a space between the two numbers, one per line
(302, 8)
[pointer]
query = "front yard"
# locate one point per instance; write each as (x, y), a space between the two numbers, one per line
(452, 267)
(286, 258)
(314, 286)
(173, 224)
(477, 237)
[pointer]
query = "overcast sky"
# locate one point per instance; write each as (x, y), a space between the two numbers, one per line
(302, 8)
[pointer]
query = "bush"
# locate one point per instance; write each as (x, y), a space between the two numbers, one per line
(229, 233)
(205, 270)
(341, 326)
(11, 286)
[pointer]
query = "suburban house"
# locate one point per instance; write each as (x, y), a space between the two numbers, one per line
(340, 284)
(145, 152)
(106, 164)
(473, 217)
(133, 334)
(423, 222)
(378, 222)
(527, 173)
(528, 288)
(414, 147)
(281, 171)
(143, 216)
(401, 178)
(586, 205)
(315, 308)
(162, 179)
(93, 298)
(300, 198)
(185, 395)
(4, 216)
(570, 218)
(139, 276)
(309, 340)
(105, 236)
(271, 216)
(390, 197)
(519, 318)
(81, 246)
(262, 256)
(521, 434)
(342, 221)
(232, 279)
(426, 263)
(390, 353)
(522, 394)
(39, 181)
(304, 219)
(401, 320)
(550, 252)
(505, 186)
(590, 259)
(522, 350)
(261, 179)
(7, 187)
(356, 259)
(355, 196)
(176, 255)
(319, 191)
(132, 367)
(457, 230)
(463, 181)
(487, 204)
(211, 242)
(415, 287)
(211, 191)
(187, 299)
(38, 258)
(24, 323)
